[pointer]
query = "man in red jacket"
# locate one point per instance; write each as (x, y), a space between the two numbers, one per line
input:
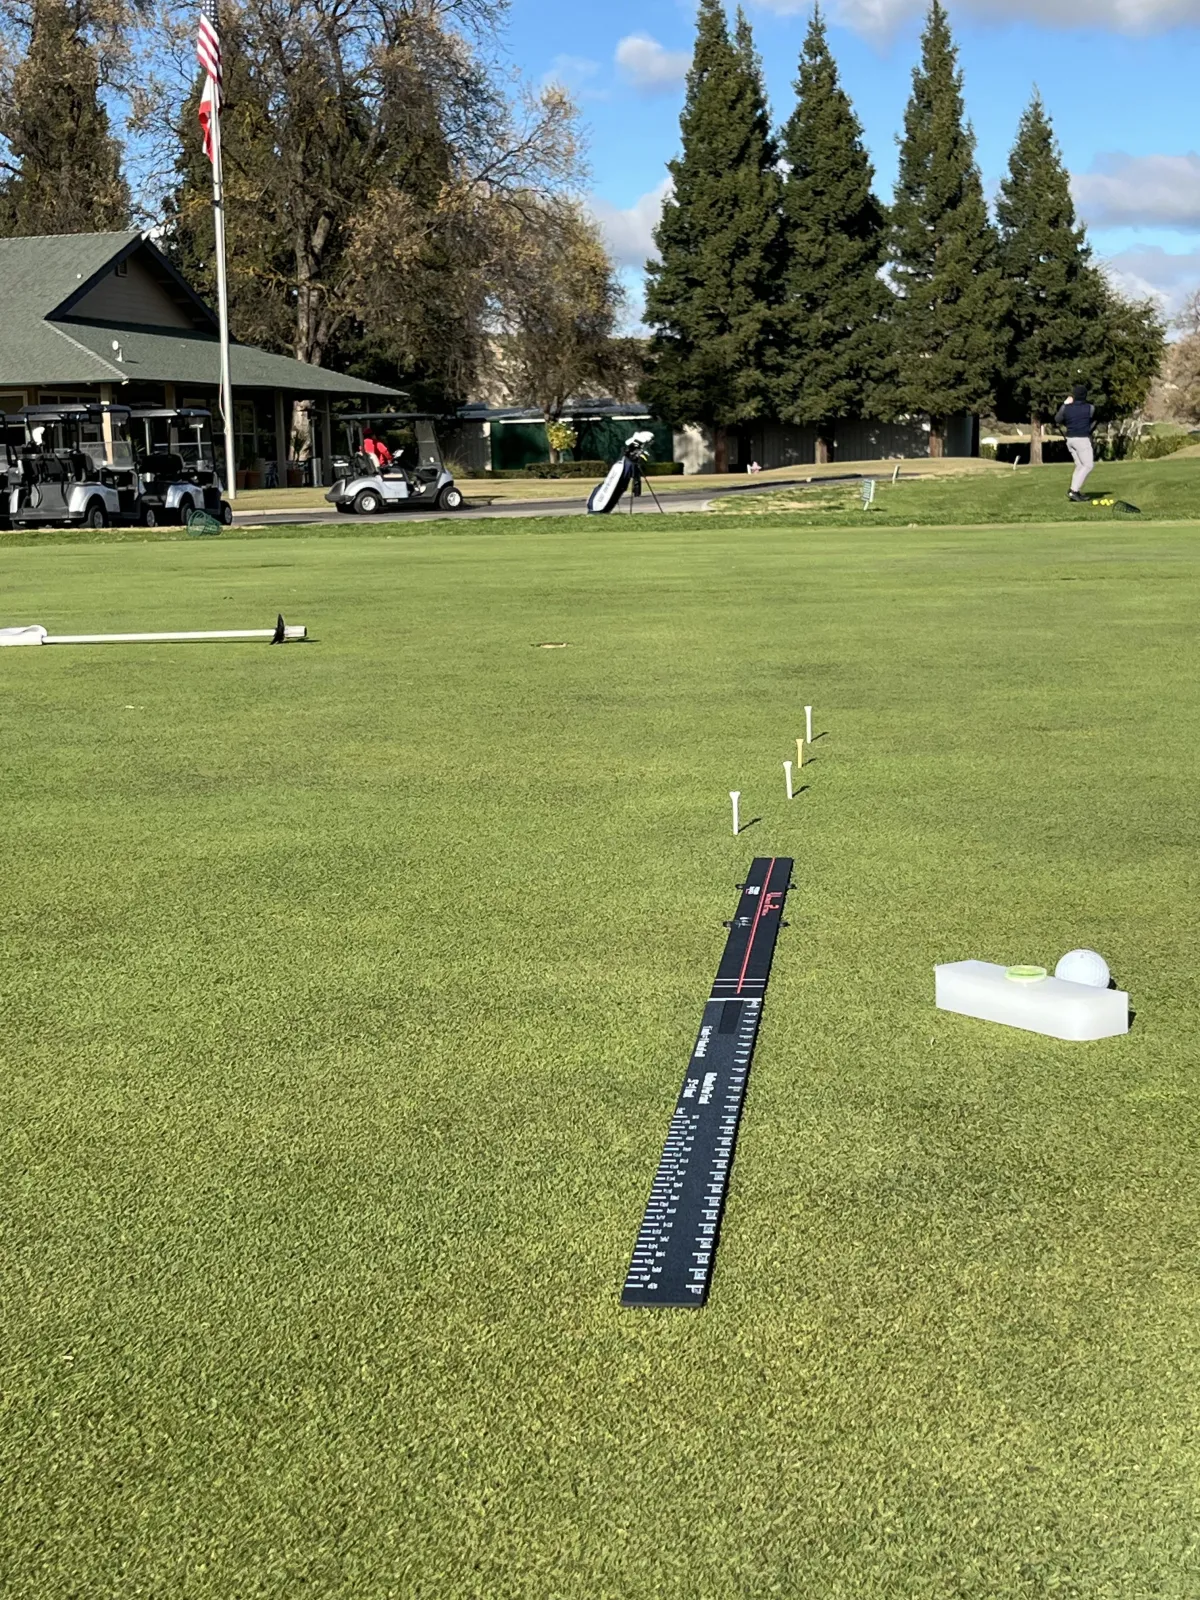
(377, 450)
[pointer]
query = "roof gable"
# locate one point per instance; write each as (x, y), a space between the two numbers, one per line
(38, 273)
(47, 275)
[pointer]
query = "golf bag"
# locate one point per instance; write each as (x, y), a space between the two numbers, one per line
(604, 496)
(624, 474)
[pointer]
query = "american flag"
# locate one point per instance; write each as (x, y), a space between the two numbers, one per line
(208, 52)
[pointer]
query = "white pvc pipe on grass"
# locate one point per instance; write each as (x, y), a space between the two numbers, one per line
(171, 638)
(34, 634)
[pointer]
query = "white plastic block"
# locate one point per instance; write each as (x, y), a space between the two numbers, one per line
(31, 635)
(1050, 1005)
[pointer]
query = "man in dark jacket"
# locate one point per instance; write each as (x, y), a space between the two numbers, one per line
(1078, 418)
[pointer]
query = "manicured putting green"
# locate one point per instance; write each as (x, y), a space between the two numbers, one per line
(345, 994)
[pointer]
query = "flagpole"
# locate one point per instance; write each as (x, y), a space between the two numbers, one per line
(222, 296)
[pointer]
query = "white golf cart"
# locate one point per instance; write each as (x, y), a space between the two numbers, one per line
(75, 466)
(416, 475)
(176, 467)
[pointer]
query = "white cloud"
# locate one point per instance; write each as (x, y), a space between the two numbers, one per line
(649, 66)
(881, 17)
(629, 233)
(1140, 192)
(1152, 273)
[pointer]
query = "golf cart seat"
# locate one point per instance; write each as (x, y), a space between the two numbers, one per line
(164, 464)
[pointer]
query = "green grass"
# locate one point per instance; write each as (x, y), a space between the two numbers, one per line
(1163, 491)
(346, 990)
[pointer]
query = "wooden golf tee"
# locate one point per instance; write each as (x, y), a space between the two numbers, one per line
(735, 795)
(799, 754)
(787, 769)
(808, 723)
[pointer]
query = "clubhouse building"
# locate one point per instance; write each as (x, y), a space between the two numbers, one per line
(105, 316)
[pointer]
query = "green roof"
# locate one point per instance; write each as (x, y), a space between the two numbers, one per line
(177, 355)
(41, 345)
(36, 352)
(39, 272)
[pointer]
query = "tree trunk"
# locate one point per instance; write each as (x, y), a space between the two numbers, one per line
(301, 431)
(937, 438)
(824, 449)
(1035, 440)
(720, 449)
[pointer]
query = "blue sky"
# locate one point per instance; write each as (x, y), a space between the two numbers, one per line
(1116, 89)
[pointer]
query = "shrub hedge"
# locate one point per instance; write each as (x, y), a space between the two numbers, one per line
(582, 469)
(1153, 446)
(1150, 447)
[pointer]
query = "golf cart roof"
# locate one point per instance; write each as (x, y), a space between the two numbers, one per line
(169, 411)
(72, 413)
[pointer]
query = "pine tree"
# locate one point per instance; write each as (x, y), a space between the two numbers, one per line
(1054, 292)
(834, 333)
(1068, 324)
(64, 164)
(712, 293)
(950, 312)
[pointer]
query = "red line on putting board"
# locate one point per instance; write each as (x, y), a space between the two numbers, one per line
(676, 1245)
(764, 896)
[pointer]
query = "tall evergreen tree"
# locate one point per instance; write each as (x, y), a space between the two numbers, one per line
(835, 354)
(1055, 294)
(1068, 323)
(64, 166)
(950, 312)
(712, 293)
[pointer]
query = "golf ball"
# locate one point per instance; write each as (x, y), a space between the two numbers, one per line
(1084, 966)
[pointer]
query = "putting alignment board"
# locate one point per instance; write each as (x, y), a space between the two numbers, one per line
(673, 1258)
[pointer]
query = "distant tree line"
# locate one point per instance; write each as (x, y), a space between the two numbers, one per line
(785, 289)
(1177, 394)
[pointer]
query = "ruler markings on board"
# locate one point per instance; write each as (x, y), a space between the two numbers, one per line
(673, 1257)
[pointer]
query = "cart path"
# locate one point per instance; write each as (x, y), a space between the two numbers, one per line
(681, 500)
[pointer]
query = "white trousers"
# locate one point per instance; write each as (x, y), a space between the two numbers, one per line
(1084, 458)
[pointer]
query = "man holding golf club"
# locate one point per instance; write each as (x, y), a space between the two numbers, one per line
(1079, 419)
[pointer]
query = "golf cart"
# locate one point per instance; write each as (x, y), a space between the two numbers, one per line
(416, 475)
(176, 466)
(75, 466)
